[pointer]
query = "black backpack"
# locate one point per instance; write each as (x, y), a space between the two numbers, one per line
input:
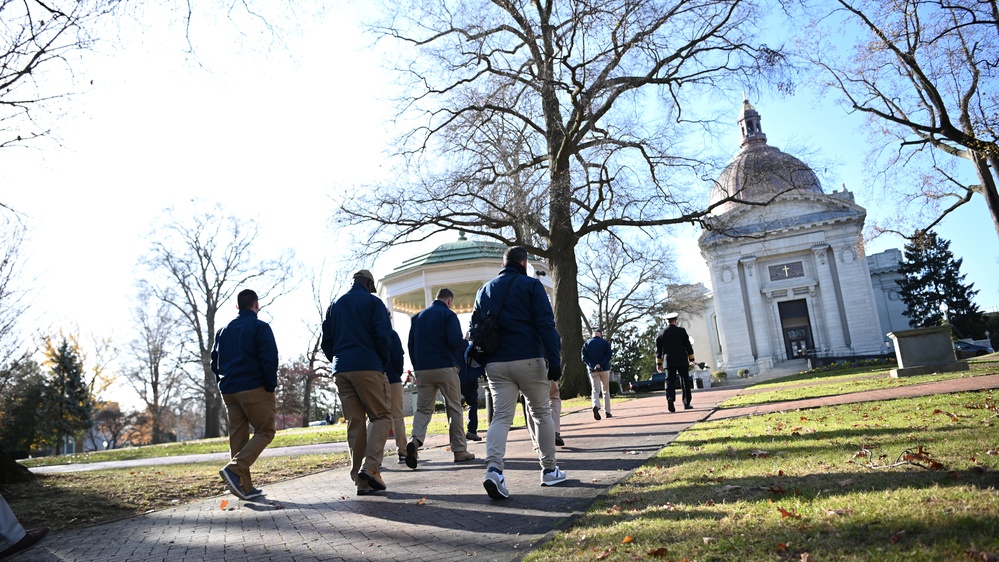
(485, 334)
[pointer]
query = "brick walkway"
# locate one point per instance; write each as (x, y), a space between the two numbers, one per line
(438, 512)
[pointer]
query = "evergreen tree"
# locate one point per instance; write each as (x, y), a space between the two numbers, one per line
(634, 352)
(68, 407)
(21, 424)
(931, 277)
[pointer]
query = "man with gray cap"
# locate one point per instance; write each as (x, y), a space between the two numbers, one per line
(674, 344)
(357, 338)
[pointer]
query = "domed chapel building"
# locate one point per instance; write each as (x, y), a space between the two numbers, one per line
(789, 279)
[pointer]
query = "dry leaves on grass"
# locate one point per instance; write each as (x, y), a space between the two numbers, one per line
(982, 556)
(785, 513)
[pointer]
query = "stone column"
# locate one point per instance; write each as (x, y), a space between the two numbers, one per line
(827, 295)
(758, 316)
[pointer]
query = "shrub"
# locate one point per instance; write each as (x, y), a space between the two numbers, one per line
(615, 388)
(743, 373)
(718, 376)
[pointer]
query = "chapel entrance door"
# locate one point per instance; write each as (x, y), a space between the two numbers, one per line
(796, 328)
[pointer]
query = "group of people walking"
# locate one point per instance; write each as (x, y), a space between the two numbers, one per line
(366, 358)
(367, 364)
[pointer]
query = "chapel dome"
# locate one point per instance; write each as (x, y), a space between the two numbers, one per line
(759, 171)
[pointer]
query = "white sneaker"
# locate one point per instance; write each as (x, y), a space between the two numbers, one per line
(552, 477)
(495, 485)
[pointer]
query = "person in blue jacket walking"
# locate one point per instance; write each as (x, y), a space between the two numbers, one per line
(526, 359)
(245, 363)
(357, 338)
(597, 355)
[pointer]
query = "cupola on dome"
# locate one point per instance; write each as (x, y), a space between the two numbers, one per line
(759, 172)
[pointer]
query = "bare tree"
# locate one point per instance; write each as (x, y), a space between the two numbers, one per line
(924, 74)
(317, 365)
(13, 296)
(540, 123)
(198, 261)
(154, 364)
(624, 283)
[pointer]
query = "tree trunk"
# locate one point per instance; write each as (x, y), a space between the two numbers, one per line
(213, 403)
(565, 275)
(307, 401)
(11, 471)
(985, 173)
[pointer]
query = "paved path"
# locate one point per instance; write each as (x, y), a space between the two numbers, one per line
(438, 512)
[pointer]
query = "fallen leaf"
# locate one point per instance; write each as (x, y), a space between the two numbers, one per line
(805, 557)
(627, 539)
(709, 503)
(782, 547)
(708, 540)
(845, 483)
(757, 454)
(897, 537)
(785, 513)
(225, 504)
(421, 501)
(776, 490)
(658, 552)
(606, 553)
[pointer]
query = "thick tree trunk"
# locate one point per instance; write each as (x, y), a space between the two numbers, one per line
(986, 174)
(213, 404)
(11, 471)
(565, 275)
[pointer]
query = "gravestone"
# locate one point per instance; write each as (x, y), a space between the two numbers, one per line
(925, 350)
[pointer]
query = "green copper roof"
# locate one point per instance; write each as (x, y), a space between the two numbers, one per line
(462, 250)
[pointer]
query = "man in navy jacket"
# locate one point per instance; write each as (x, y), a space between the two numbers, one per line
(245, 362)
(597, 354)
(435, 341)
(528, 357)
(357, 338)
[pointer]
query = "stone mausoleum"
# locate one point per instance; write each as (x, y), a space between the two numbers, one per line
(789, 278)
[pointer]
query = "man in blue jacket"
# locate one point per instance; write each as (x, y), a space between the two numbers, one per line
(245, 363)
(526, 359)
(435, 341)
(357, 338)
(597, 354)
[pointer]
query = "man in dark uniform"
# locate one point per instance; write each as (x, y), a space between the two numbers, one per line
(674, 344)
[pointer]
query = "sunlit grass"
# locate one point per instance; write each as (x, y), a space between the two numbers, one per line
(796, 485)
(834, 383)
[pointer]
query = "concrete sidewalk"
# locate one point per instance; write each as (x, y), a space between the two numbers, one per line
(438, 512)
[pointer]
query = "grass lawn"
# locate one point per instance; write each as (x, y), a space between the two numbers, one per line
(846, 381)
(908, 479)
(77, 499)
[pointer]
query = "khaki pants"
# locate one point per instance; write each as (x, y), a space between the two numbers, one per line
(600, 381)
(254, 407)
(428, 382)
(555, 401)
(398, 418)
(507, 380)
(367, 405)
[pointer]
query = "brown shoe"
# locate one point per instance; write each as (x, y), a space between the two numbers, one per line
(30, 539)
(463, 456)
(373, 477)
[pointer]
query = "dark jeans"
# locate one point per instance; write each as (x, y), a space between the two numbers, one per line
(681, 375)
(470, 392)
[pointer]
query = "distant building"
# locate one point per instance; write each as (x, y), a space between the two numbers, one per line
(789, 279)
